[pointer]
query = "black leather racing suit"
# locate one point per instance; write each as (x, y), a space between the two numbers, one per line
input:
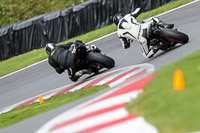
(62, 59)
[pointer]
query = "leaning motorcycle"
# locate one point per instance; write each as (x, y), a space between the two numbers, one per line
(91, 58)
(168, 38)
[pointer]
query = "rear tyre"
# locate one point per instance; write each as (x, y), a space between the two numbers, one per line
(174, 36)
(104, 60)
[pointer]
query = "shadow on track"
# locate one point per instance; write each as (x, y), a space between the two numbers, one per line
(162, 53)
(95, 74)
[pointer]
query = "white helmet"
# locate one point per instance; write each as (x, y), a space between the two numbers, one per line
(49, 47)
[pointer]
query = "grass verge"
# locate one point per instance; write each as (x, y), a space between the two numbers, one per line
(31, 110)
(172, 111)
(34, 56)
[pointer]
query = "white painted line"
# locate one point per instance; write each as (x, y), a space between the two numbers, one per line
(78, 87)
(22, 69)
(115, 100)
(122, 79)
(94, 121)
(112, 77)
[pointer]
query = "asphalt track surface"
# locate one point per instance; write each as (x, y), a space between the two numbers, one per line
(41, 78)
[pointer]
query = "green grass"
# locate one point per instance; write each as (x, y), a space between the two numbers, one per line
(34, 56)
(172, 111)
(28, 111)
(162, 9)
(11, 12)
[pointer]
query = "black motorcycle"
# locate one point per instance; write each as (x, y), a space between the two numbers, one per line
(167, 37)
(92, 59)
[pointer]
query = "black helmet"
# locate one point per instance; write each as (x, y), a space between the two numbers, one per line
(49, 47)
(116, 18)
(79, 41)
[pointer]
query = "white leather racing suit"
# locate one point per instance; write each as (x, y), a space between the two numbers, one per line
(129, 29)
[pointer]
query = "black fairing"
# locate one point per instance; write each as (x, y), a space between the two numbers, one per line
(92, 59)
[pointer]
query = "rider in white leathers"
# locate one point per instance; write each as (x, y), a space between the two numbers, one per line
(129, 29)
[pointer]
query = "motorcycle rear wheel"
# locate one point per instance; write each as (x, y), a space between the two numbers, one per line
(104, 60)
(174, 36)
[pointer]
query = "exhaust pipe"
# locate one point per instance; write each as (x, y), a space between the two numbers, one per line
(93, 47)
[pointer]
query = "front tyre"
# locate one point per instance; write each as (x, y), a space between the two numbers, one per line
(104, 60)
(174, 36)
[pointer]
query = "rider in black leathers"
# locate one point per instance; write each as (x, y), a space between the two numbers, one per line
(62, 57)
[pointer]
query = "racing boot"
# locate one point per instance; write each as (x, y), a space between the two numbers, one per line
(157, 47)
(165, 25)
(81, 72)
(154, 47)
(153, 50)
